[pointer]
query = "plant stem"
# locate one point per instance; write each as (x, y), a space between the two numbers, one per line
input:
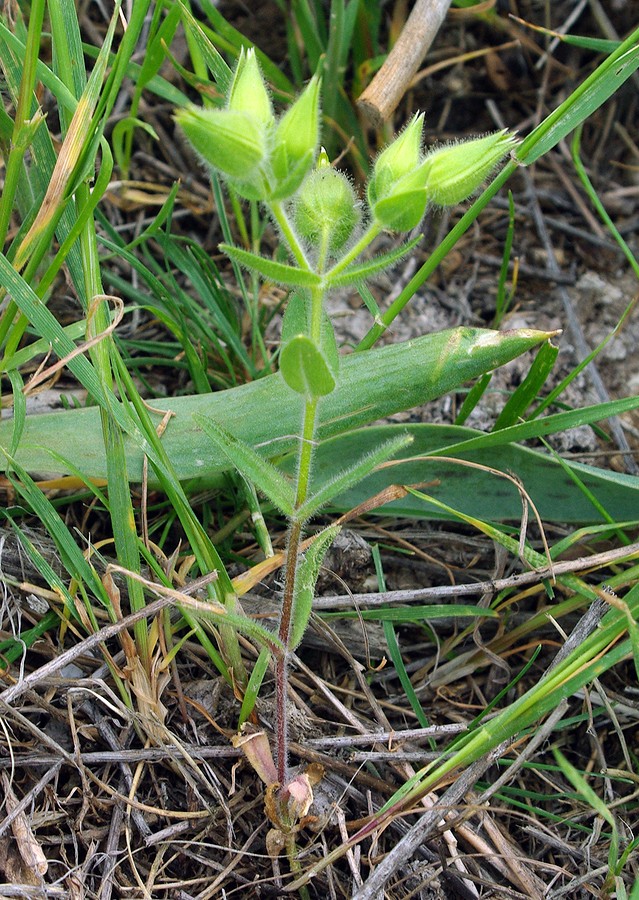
(288, 600)
(306, 452)
(305, 463)
(279, 214)
(368, 237)
(281, 663)
(434, 259)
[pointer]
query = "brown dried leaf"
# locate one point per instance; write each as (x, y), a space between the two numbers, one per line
(275, 842)
(257, 750)
(30, 850)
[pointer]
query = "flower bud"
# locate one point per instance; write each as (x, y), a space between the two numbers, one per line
(231, 141)
(454, 173)
(326, 208)
(399, 159)
(295, 142)
(248, 92)
(402, 211)
(397, 188)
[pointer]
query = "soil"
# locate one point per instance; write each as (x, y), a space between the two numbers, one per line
(165, 807)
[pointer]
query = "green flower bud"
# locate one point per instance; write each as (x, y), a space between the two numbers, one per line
(231, 141)
(399, 159)
(326, 208)
(397, 189)
(457, 171)
(405, 207)
(295, 142)
(248, 92)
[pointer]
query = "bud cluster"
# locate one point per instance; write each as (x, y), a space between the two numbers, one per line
(404, 180)
(270, 159)
(261, 157)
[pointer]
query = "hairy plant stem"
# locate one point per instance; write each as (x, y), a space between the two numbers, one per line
(369, 235)
(280, 216)
(288, 599)
(281, 663)
(304, 468)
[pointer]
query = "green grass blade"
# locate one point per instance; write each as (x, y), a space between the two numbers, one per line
(396, 657)
(214, 61)
(596, 202)
(401, 615)
(71, 555)
(232, 40)
(312, 31)
(473, 397)
(47, 326)
(519, 402)
(538, 428)
(589, 96)
(21, 131)
(254, 685)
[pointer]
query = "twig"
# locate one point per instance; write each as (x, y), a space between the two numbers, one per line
(95, 757)
(30, 796)
(406, 847)
(482, 587)
(411, 841)
(110, 852)
(383, 94)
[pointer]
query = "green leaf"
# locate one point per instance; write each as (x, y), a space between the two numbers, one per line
(328, 344)
(353, 474)
(254, 467)
(517, 405)
(295, 319)
(537, 428)
(588, 97)
(218, 615)
(404, 614)
(402, 211)
(304, 368)
(252, 689)
(306, 577)
(71, 554)
(214, 61)
(587, 795)
(45, 324)
(474, 492)
(473, 397)
(270, 269)
(583, 789)
(229, 38)
(265, 414)
(371, 267)
(598, 45)
(396, 656)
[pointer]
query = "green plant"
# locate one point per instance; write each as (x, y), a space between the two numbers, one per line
(317, 213)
